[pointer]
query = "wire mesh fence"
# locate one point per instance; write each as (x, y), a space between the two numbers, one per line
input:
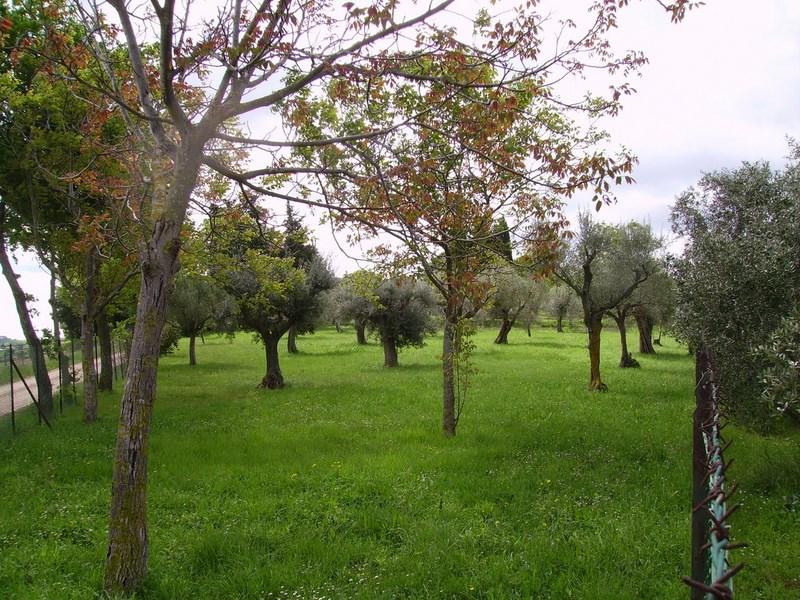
(63, 365)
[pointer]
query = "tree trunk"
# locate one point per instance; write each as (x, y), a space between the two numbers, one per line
(45, 389)
(361, 337)
(645, 325)
(291, 344)
(338, 328)
(89, 374)
(389, 351)
(126, 560)
(273, 378)
(449, 419)
(64, 377)
(626, 361)
(560, 322)
(528, 327)
(502, 336)
(106, 380)
(595, 326)
(192, 354)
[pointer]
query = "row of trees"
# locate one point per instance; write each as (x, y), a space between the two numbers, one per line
(115, 123)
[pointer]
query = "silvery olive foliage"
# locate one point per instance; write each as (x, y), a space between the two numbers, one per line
(738, 280)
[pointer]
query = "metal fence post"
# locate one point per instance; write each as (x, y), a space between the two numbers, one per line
(11, 383)
(702, 394)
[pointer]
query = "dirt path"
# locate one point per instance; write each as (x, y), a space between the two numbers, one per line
(21, 396)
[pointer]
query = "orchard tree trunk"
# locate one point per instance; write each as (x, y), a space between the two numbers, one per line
(449, 418)
(645, 325)
(273, 379)
(389, 351)
(126, 559)
(106, 380)
(361, 337)
(560, 322)
(505, 327)
(45, 389)
(595, 326)
(291, 344)
(192, 353)
(65, 376)
(528, 328)
(89, 375)
(626, 361)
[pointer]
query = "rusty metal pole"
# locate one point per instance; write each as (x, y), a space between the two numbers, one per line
(700, 522)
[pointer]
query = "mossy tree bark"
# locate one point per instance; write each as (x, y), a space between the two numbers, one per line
(126, 559)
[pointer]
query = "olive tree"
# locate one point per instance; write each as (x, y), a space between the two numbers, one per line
(514, 294)
(739, 275)
(604, 265)
(401, 315)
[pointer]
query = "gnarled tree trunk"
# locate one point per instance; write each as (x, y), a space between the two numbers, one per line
(595, 326)
(626, 361)
(273, 379)
(505, 327)
(645, 325)
(560, 321)
(291, 344)
(389, 351)
(106, 379)
(361, 336)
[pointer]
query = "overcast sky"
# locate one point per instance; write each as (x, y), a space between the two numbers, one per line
(721, 88)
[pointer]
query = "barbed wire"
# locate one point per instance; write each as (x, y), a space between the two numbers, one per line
(719, 579)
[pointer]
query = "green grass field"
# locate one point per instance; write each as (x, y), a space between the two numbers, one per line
(341, 485)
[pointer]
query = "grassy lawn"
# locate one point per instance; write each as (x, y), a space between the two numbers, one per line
(341, 485)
